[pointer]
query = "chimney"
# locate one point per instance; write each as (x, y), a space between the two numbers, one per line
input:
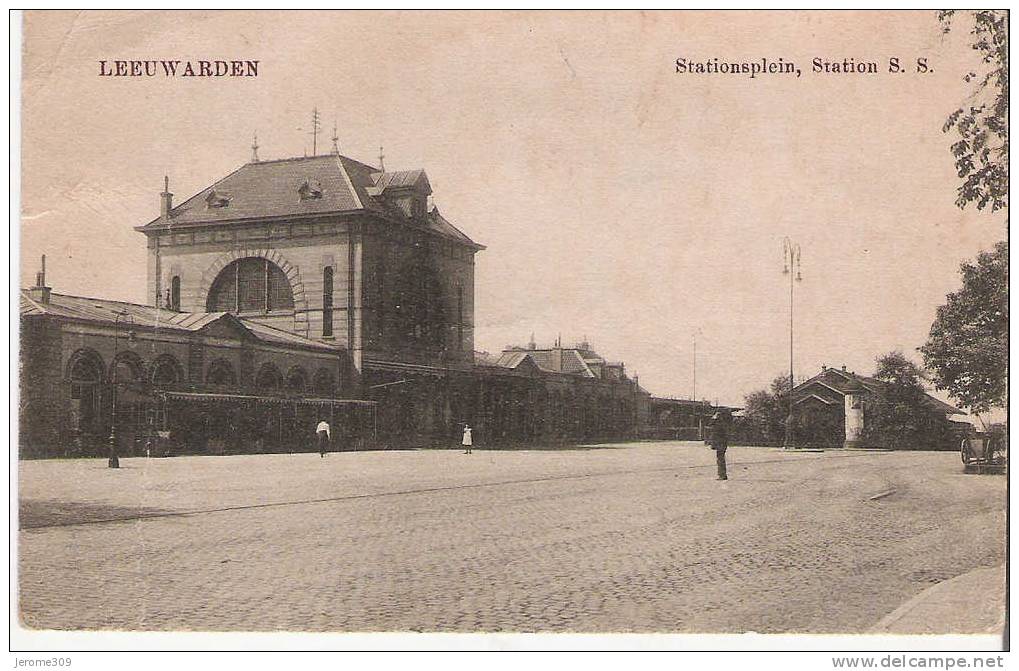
(167, 199)
(40, 292)
(531, 344)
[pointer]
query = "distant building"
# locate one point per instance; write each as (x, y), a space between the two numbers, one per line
(678, 419)
(839, 398)
(264, 280)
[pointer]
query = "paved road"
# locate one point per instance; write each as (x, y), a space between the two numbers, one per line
(630, 538)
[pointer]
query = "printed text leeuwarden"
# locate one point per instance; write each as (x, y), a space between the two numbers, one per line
(174, 68)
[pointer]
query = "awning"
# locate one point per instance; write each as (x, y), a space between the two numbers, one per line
(228, 398)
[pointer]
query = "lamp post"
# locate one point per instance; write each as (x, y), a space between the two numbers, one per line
(114, 460)
(791, 267)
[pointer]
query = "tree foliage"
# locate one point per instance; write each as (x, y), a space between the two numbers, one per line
(764, 413)
(900, 417)
(967, 350)
(981, 152)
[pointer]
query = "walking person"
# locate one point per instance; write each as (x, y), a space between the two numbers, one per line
(721, 427)
(322, 431)
(468, 441)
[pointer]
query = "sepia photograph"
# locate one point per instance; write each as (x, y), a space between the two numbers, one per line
(684, 329)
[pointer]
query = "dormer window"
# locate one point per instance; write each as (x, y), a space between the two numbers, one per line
(310, 189)
(216, 200)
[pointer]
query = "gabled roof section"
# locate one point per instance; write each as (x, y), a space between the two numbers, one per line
(98, 310)
(844, 382)
(815, 397)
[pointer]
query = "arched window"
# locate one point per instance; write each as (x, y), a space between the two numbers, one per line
(175, 293)
(268, 378)
(85, 374)
(166, 370)
(221, 373)
(250, 285)
(327, 301)
(126, 368)
(297, 380)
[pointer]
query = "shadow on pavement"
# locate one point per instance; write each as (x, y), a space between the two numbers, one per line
(35, 514)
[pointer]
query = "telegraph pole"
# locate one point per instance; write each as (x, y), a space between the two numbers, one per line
(314, 131)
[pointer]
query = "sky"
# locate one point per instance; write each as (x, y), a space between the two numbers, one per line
(619, 201)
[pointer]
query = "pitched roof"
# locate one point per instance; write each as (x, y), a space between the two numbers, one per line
(270, 189)
(336, 184)
(148, 316)
(511, 359)
(571, 362)
(844, 382)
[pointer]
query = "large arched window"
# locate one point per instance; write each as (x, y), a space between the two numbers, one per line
(250, 285)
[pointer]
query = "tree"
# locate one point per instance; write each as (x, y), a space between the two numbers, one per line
(967, 350)
(764, 413)
(981, 152)
(899, 416)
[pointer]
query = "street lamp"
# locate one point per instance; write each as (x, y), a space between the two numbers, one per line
(791, 267)
(114, 461)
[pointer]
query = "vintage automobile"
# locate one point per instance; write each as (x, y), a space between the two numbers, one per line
(984, 452)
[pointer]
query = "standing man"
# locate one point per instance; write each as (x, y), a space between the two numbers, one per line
(721, 426)
(322, 430)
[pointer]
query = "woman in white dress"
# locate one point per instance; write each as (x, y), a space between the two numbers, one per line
(467, 442)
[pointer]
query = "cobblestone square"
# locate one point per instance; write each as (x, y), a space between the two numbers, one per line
(636, 537)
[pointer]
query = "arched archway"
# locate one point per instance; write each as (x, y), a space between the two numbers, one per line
(165, 370)
(85, 375)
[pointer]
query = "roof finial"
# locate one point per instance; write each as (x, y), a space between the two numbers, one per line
(336, 140)
(382, 160)
(254, 148)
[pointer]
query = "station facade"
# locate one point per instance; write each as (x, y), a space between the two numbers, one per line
(294, 290)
